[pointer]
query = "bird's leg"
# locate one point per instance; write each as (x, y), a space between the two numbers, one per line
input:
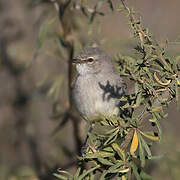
(84, 147)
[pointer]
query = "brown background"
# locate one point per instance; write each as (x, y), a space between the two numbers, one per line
(26, 144)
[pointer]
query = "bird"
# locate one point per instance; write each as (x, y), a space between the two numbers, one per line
(98, 87)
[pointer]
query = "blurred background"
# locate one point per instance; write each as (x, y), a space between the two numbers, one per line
(34, 82)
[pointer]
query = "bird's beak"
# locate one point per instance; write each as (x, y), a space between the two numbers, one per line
(77, 61)
(74, 61)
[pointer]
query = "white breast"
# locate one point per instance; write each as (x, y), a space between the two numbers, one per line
(88, 98)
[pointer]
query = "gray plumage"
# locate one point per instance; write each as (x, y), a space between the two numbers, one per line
(98, 87)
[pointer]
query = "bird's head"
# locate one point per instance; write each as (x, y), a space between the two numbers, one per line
(92, 60)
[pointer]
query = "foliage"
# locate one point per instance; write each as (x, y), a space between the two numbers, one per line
(123, 149)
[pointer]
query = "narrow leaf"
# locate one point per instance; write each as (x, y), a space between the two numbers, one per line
(103, 175)
(115, 167)
(145, 176)
(121, 170)
(141, 153)
(154, 138)
(134, 143)
(112, 137)
(135, 170)
(119, 150)
(88, 172)
(98, 155)
(77, 173)
(60, 176)
(105, 162)
(145, 145)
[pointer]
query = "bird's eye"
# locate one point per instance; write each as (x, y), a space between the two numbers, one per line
(90, 60)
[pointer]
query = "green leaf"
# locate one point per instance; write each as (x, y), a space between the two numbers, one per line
(108, 149)
(60, 176)
(155, 120)
(120, 152)
(105, 161)
(141, 152)
(112, 130)
(88, 172)
(120, 170)
(145, 145)
(104, 122)
(77, 174)
(112, 119)
(135, 170)
(154, 138)
(92, 176)
(139, 99)
(103, 175)
(145, 176)
(112, 138)
(115, 167)
(156, 157)
(99, 154)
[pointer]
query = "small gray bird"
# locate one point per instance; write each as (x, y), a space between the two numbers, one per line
(98, 87)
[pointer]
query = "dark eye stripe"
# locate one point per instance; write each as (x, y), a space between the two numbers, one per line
(80, 61)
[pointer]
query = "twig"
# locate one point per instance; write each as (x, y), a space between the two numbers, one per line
(70, 51)
(143, 36)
